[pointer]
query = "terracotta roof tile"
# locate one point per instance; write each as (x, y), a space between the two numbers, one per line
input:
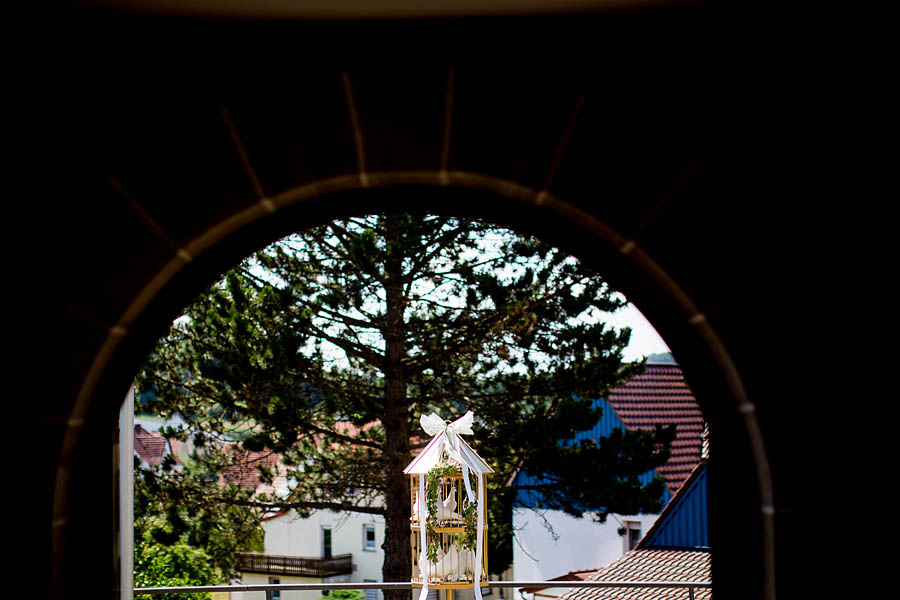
(650, 565)
(661, 395)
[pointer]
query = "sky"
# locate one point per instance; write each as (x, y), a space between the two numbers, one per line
(644, 338)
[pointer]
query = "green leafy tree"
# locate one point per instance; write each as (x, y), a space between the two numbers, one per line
(180, 564)
(188, 507)
(327, 346)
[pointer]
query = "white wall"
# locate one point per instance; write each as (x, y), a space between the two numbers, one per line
(582, 544)
(291, 535)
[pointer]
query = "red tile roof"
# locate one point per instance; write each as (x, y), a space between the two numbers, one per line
(650, 565)
(245, 474)
(660, 395)
(150, 446)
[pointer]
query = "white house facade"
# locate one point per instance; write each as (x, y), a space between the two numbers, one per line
(344, 547)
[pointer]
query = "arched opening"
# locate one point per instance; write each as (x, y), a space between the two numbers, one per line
(502, 201)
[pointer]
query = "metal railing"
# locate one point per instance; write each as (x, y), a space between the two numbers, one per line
(300, 566)
(691, 586)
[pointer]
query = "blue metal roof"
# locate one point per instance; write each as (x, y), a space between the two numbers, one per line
(684, 522)
(608, 423)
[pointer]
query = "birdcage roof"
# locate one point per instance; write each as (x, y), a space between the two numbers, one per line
(431, 455)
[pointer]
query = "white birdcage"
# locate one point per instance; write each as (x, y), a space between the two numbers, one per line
(449, 517)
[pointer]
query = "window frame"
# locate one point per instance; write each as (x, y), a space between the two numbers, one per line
(330, 538)
(365, 538)
(632, 527)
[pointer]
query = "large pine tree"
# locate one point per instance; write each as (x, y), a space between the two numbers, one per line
(328, 345)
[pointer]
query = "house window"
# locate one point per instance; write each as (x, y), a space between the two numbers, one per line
(274, 594)
(326, 548)
(326, 541)
(632, 535)
(369, 538)
(370, 594)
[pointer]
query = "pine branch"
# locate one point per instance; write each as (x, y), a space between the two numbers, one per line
(344, 438)
(441, 242)
(349, 321)
(359, 351)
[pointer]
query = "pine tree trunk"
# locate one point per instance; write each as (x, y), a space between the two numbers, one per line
(397, 563)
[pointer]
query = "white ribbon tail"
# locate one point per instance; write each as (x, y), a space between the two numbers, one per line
(456, 455)
(479, 536)
(424, 569)
(465, 474)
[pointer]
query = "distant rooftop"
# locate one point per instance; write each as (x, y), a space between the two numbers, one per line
(661, 395)
(150, 446)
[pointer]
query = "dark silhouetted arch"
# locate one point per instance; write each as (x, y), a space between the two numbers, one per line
(639, 140)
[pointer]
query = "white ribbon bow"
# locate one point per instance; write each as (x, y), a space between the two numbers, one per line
(434, 425)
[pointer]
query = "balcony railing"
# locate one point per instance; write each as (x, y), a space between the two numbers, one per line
(300, 566)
